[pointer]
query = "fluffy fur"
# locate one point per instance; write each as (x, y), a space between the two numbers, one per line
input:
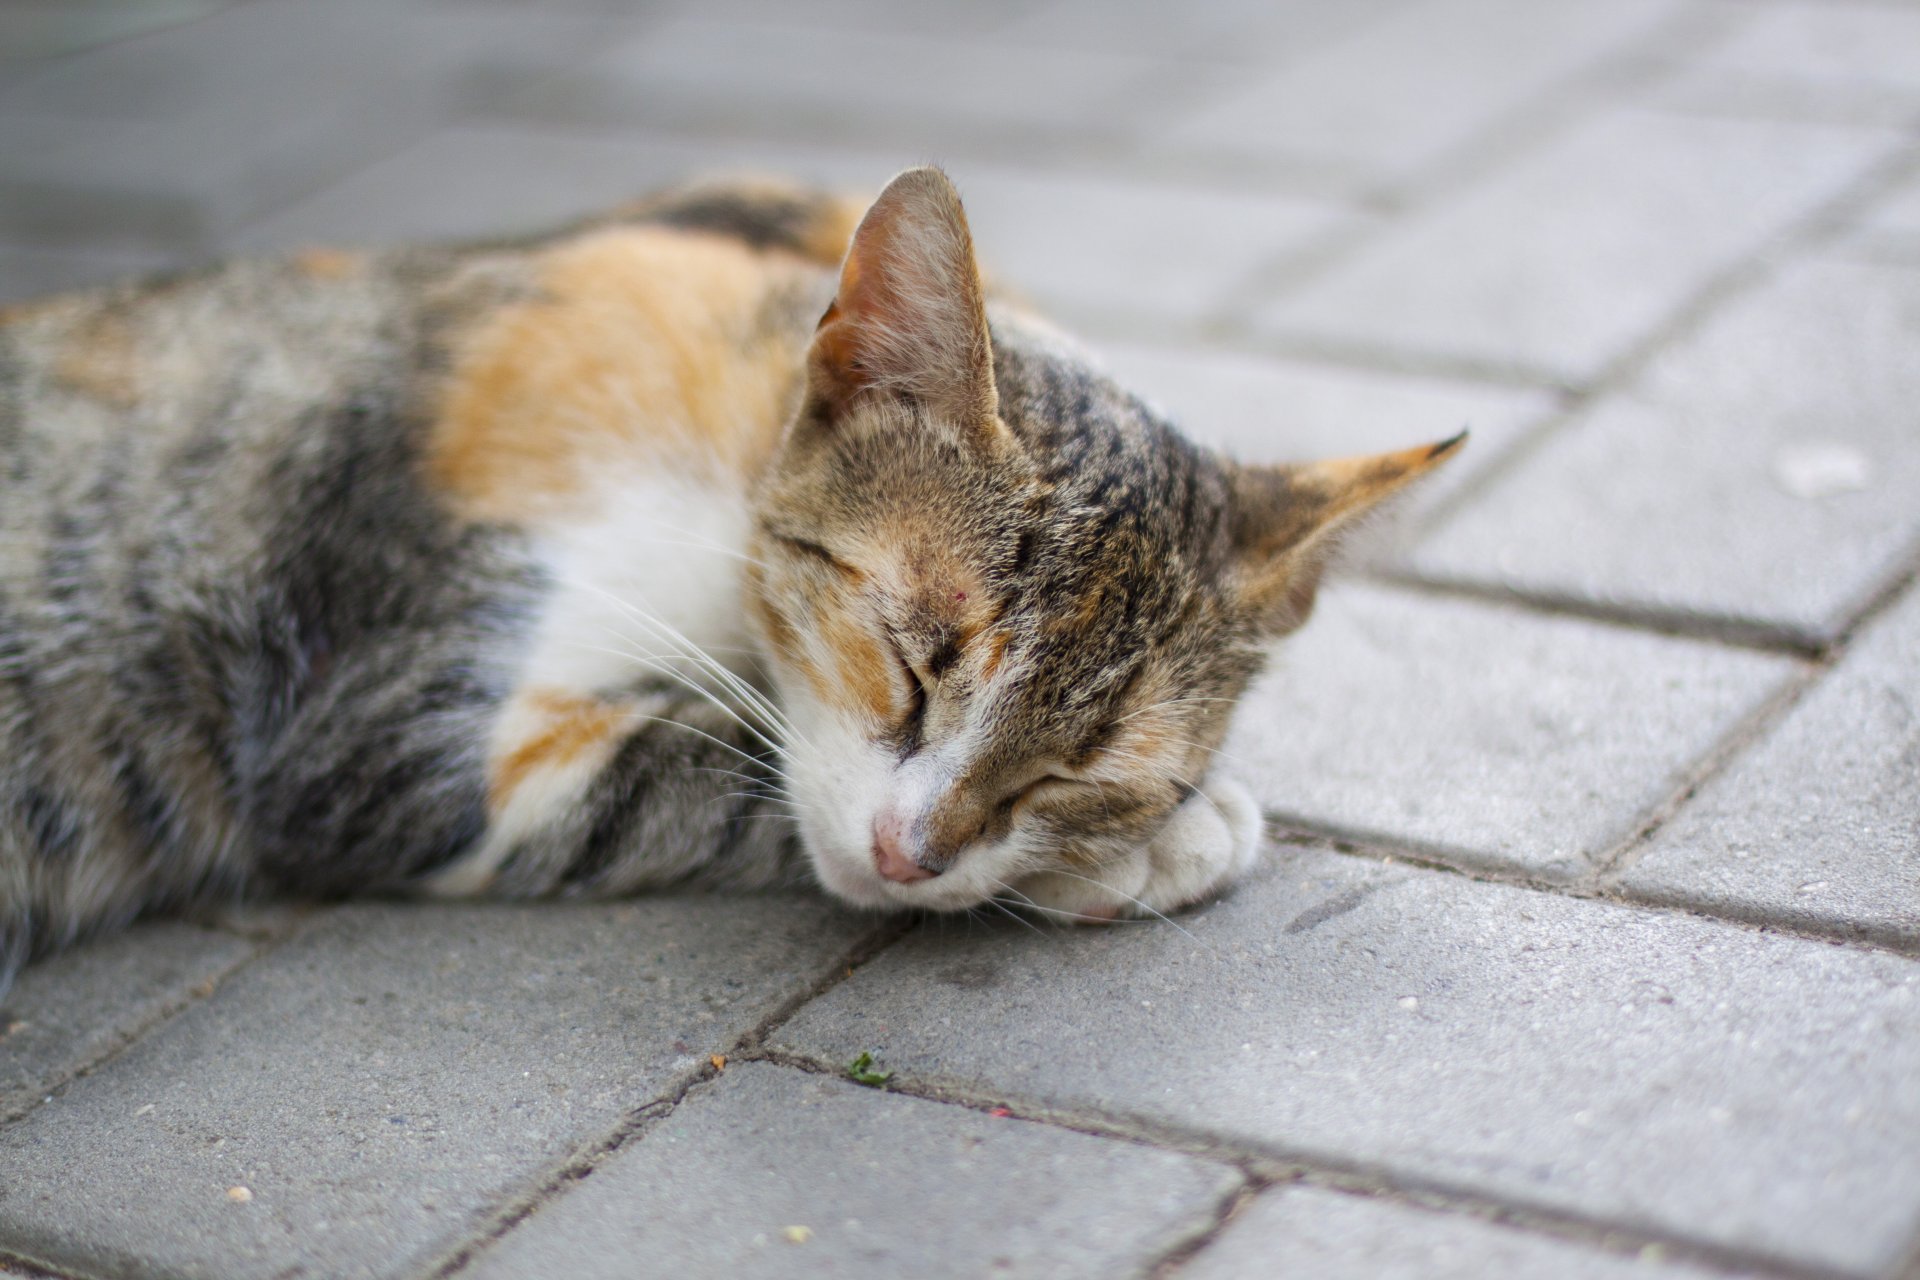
(699, 542)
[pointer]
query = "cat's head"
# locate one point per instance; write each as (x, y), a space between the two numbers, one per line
(1009, 609)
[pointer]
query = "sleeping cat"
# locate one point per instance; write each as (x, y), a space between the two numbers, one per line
(701, 542)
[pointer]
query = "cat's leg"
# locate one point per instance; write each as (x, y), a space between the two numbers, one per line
(396, 775)
(599, 795)
(1212, 839)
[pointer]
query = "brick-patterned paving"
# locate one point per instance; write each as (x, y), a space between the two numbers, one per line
(1589, 942)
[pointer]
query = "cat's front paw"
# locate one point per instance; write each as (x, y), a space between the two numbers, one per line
(1210, 841)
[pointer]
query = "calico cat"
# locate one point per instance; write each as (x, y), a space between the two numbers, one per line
(705, 541)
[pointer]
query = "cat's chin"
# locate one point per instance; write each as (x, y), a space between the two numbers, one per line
(861, 886)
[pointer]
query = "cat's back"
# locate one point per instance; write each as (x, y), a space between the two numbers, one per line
(303, 500)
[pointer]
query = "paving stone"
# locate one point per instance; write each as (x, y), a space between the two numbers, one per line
(1818, 826)
(1495, 737)
(488, 181)
(1816, 60)
(1399, 94)
(1561, 262)
(74, 1009)
(1761, 470)
(1261, 409)
(1121, 255)
(175, 137)
(1647, 1068)
(872, 1183)
(795, 80)
(1117, 253)
(1224, 30)
(383, 1082)
(1307, 1231)
(1891, 227)
(918, 17)
(35, 29)
(28, 272)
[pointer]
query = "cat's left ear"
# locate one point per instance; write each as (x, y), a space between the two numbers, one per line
(1287, 520)
(910, 317)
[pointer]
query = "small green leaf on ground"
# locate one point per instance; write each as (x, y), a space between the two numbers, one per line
(861, 1071)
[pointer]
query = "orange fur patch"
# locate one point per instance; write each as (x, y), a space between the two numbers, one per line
(327, 264)
(996, 652)
(644, 346)
(866, 674)
(101, 359)
(569, 727)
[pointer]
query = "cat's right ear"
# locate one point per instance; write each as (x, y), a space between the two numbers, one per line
(909, 318)
(1286, 522)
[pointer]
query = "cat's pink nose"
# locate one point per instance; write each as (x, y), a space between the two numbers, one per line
(889, 854)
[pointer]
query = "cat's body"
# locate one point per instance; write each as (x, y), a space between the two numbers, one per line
(352, 573)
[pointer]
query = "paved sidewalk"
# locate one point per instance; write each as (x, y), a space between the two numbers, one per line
(1588, 943)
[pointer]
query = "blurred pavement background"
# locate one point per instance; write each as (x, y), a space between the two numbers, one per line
(1589, 941)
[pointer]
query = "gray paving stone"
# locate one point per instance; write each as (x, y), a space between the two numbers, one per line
(1891, 227)
(486, 181)
(1398, 94)
(1225, 30)
(1261, 409)
(73, 1010)
(1113, 255)
(800, 81)
(175, 137)
(383, 1082)
(1306, 1231)
(1495, 737)
(1122, 253)
(1844, 62)
(872, 1183)
(1561, 262)
(1762, 470)
(28, 272)
(35, 29)
(1819, 825)
(1653, 1069)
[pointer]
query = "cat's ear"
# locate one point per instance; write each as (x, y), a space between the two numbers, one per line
(910, 317)
(1287, 520)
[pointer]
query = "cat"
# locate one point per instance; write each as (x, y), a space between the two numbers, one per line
(733, 533)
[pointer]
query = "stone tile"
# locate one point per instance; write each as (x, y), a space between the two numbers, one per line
(27, 272)
(1113, 255)
(35, 29)
(381, 1084)
(1653, 1069)
(1100, 251)
(1563, 261)
(175, 137)
(1818, 826)
(800, 81)
(1307, 1231)
(932, 18)
(1399, 94)
(488, 181)
(1846, 62)
(1266, 31)
(1891, 227)
(1496, 737)
(1760, 471)
(74, 1009)
(1260, 409)
(875, 1183)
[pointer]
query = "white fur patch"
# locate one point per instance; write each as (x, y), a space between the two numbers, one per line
(646, 586)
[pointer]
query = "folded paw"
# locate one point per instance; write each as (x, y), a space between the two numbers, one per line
(1211, 840)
